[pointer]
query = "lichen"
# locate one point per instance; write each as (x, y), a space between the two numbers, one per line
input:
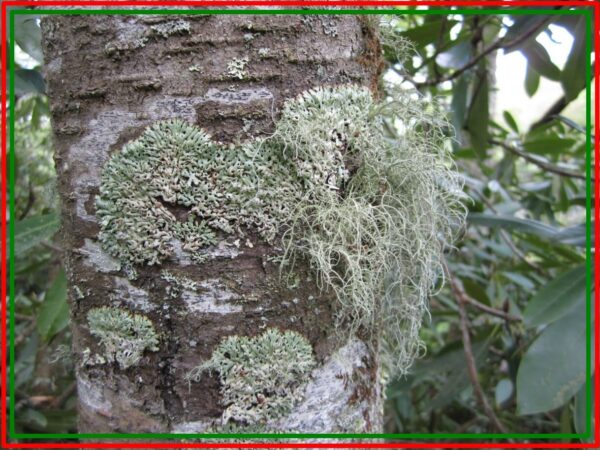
(237, 67)
(125, 336)
(177, 284)
(171, 27)
(264, 52)
(261, 377)
(364, 190)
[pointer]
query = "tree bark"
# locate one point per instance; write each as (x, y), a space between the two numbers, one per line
(109, 77)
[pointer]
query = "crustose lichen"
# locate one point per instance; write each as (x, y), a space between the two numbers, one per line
(125, 336)
(261, 377)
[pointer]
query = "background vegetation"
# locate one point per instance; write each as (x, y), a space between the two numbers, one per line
(506, 336)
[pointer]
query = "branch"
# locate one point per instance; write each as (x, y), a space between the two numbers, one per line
(501, 43)
(556, 108)
(493, 311)
(471, 366)
(542, 164)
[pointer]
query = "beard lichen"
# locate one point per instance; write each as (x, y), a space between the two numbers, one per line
(125, 336)
(363, 189)
(261, 377)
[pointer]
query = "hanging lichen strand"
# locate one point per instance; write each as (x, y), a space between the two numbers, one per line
(363, 189)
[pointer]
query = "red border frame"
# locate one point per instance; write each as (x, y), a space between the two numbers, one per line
(484, 3)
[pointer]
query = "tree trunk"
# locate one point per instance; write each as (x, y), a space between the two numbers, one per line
(111, 76)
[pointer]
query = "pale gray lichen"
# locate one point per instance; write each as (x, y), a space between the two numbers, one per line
(363, 189)
(261, 377)
(167, 29)
(223, 188)
(177, 284)
(264, 52)
(378, 243)
(124, 336)
(237, 67)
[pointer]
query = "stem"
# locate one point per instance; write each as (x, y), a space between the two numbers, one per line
(501, 43)
(471, 366)
(542, 164)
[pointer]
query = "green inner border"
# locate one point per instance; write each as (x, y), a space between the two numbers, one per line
(582, 436)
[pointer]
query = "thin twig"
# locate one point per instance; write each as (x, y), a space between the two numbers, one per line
(471, 366)
(25, 333)
(556, 108)
(66, 394)
(493, 311)
(501, 43)
(541, 164)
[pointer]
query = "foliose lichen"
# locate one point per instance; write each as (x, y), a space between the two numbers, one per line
(363, 189)
(237, 67)
(261, 377)
(177, 284)
(125, 336)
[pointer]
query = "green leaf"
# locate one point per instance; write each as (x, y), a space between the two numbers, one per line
(580, 411)
(521, 25)
(427, 33)
(29, 36)
(54, 313)
(513, 223)
(532, 80)
(479, 113)
(455, 57)
(575, 235)
(27, 81)
(557, 298)
(553, 368)
(573, 77)
(459, 101)
(548, 144)
(503, 392)
(34, 230)
(510, 121)
(539, 58)
(33, 418)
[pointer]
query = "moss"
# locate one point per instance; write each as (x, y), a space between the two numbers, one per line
(125, 336)
(364, 190)
(261, 377)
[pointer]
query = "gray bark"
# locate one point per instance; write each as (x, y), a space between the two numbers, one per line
(108, 78)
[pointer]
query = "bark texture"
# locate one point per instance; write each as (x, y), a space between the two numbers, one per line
(108, 78)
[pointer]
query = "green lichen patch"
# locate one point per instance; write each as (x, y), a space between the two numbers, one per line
(261, 377)
(125, 336)
(363, 189)
(177, 284)
(224, 188)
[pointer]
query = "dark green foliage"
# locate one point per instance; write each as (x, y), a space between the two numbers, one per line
(524, 250)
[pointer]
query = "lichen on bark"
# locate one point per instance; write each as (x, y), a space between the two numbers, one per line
(371, 209)
(125, 336)
(261, 377)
